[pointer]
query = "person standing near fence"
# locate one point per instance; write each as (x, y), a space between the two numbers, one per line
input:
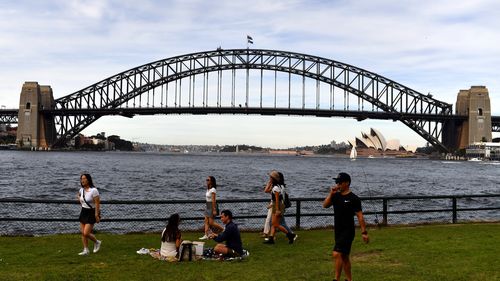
(268, 222)
(89, 199)
(278, 208)
(345, 204)
(211, 208)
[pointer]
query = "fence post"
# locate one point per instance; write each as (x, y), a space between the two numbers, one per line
(384, 211)
(454, 200)
(297, 215)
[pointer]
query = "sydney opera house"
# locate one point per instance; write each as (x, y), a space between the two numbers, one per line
(374, 144)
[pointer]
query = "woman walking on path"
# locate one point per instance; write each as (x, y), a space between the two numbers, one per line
(89, 199)
(278, 208)
(211, 209)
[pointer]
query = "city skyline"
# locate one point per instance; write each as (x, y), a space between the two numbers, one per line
(436, 47)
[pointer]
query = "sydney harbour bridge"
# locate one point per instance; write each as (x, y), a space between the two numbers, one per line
(236, 81)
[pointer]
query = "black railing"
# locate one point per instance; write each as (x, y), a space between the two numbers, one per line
(38, 216)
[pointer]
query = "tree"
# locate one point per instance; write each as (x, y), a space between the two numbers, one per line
(120, 144)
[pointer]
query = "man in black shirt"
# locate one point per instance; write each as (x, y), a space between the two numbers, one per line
(345, 205)
(231, 234)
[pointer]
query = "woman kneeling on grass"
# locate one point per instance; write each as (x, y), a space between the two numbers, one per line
(88, 196)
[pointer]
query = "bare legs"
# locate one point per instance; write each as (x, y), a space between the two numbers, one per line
(86, 230)
(342, 261)
(210, 223)
(221, 249)
(276, 224)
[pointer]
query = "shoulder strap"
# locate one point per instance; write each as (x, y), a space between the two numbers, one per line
(83, 195)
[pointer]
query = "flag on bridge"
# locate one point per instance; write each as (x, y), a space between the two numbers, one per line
(249, 39)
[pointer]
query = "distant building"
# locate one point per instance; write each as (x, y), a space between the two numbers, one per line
(483, 150)
(374, 144)
(474, 103)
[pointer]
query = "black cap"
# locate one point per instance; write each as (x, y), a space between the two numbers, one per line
(342, 177)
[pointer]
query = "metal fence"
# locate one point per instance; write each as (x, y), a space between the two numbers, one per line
(39, 217)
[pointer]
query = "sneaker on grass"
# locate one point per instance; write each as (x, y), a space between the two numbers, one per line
(97, 246)
(84, 252)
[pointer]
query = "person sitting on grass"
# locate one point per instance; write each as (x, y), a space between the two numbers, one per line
(171, 237)
(231, 234)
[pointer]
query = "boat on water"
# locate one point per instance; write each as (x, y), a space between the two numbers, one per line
(474, 159)
(354, 153)
(7, 146)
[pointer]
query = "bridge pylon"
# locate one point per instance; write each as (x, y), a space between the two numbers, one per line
(35, 130)
(474, 103)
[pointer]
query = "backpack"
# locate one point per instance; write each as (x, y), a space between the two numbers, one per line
(286, 199)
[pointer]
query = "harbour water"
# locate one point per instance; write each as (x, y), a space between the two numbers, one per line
(159, 176)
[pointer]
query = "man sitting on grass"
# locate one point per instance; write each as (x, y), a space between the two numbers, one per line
(231, 234)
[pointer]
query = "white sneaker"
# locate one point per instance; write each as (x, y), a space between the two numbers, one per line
(97, 246)
(204, 237)
(84, 253)
(143, 251)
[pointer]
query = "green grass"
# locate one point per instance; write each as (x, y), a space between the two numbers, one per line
(431, 252)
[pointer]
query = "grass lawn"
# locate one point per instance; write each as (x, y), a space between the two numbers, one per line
(431, 252)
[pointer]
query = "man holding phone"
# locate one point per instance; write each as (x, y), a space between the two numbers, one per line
(345, 204)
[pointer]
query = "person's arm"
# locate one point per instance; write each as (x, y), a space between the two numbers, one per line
(178, 241)
(221, 236)
(328, 200)
(277, 202)
(214, 204)
(362, 224)
(269, 187)
(97, 202)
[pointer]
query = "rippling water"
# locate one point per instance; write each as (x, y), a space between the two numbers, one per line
(157, 176)
(142, 176)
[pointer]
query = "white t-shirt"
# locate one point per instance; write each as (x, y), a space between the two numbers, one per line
(208, 195)
(168, 249)
(89, 196)
(277, 188)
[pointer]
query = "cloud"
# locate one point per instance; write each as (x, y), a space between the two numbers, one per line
(430, 46)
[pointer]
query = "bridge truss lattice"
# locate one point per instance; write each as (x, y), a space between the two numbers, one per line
(8, 116)
(233, 81)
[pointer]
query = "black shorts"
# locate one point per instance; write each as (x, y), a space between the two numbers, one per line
(343, 242)
(87, 216)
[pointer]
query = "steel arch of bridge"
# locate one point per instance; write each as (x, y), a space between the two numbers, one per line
(76, 111)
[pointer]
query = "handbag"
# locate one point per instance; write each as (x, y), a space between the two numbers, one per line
(286, 199)
(186, 251)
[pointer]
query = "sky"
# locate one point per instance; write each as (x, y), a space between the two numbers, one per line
(437, 47)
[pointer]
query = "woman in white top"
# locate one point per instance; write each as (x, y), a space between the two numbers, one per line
(211, 209)
(89, 198)
(171, 237)
(278, 207)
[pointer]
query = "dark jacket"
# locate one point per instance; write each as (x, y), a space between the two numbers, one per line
(232, 237)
